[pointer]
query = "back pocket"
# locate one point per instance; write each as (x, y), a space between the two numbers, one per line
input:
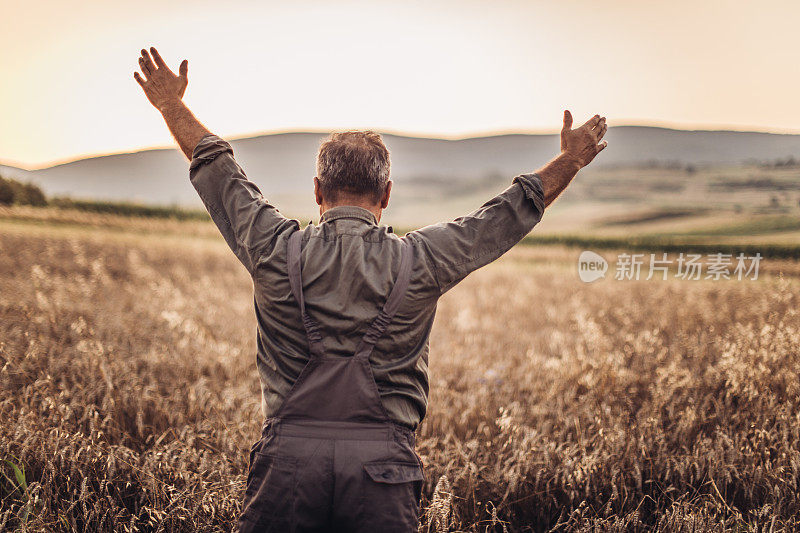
(393, 472)
(270, 494)
(391, 495)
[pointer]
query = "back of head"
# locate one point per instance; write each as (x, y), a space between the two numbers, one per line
(353, 164)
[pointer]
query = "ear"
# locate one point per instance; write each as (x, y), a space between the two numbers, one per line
(317, 191)
(385, 198)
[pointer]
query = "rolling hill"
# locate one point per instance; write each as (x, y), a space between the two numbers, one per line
(423, 169)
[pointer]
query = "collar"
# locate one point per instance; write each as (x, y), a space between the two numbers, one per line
(348, 211)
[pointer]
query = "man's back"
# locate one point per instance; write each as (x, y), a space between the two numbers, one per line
(349, 267)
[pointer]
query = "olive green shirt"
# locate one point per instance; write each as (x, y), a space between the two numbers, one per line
(349, 264)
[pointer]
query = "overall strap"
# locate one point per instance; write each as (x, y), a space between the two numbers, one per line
(296, 281)
(379, 325)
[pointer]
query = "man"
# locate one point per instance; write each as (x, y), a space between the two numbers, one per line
(344, 313)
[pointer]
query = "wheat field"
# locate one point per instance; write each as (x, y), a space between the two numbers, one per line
(129, 396)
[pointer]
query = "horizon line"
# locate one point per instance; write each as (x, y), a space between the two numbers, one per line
(397, 133)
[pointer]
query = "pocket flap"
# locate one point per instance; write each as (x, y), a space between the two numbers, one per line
(393, 472)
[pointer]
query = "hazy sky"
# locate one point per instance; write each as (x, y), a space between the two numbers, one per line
(436, 68)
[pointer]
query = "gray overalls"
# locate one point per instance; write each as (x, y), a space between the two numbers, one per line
(331, 459)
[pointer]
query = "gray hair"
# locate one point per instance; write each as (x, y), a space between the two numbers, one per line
(355, 163)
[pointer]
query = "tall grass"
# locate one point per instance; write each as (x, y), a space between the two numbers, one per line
(129, 396)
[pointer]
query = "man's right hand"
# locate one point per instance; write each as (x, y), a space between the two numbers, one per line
(165, 91)
(582, 144)
(161, 86)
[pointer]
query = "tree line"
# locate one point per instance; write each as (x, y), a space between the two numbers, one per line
(13, 192)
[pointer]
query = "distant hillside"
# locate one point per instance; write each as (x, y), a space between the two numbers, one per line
(13, 172)
(423, 169)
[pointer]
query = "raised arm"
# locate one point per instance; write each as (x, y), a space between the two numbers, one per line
(247, 222)
(165, 91)
(454, 249)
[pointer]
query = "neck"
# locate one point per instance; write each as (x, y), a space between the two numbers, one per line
(372, 208)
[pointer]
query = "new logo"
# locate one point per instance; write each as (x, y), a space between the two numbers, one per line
(591, 266)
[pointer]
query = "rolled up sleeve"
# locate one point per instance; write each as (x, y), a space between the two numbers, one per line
(454, 249)
(247, 222)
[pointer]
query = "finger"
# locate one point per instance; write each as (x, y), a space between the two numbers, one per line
(148, 61)
(592, 122)
(602, 146)
(600, 124)
(157, 58)
(183, 70)
(567, 120)
(138, 79)
(602, 131)
(143, 66)
(598, 129)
